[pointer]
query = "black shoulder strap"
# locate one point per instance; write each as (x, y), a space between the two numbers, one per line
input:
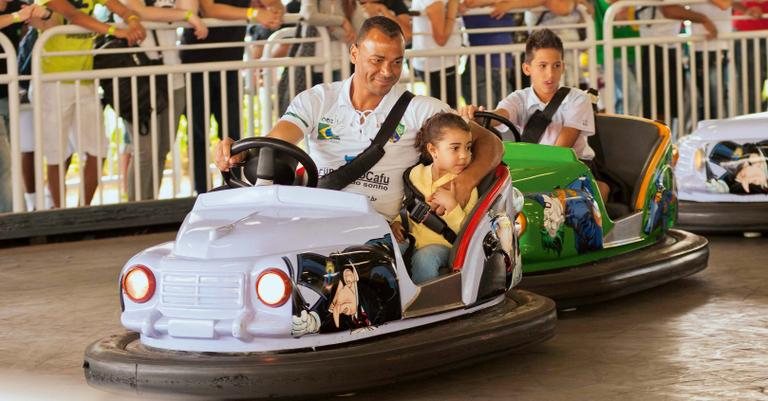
(347, 174)
(539, 121)
(419, 211)
(556, 101)
(393, 118)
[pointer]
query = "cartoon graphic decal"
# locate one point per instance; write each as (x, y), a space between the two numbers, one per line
(660, 206)
(346, 301)
(348, 290)
(501, 240)
(576, 207)
(738, 169)
(399, 131)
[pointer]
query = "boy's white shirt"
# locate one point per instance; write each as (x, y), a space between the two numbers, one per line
(575, 112)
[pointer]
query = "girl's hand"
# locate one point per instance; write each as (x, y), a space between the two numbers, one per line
(397, 230)
(201, 31)
(444, 198)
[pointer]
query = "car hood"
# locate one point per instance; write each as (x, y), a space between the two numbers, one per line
(749, 128)
(275, 220)
(541, 168)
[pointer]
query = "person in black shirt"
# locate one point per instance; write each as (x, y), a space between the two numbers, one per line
(267, 13)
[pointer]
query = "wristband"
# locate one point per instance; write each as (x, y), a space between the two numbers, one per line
(111, 30)
(188, 15)
(249, 13)
(16, 17)
(132, 17)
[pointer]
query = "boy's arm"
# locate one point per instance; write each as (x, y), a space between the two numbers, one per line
(567, 137)
(487, 150)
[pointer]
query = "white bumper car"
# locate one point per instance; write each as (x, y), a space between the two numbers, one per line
(722, 175)
(294, 291)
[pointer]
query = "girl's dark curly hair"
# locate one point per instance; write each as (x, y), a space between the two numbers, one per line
(432, 131)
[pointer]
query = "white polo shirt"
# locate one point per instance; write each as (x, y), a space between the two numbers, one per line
(575, 111)
(335, 133)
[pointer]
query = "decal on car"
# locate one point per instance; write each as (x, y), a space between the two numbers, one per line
(353, 289)
(660, 210)
(575, 207)
(738, 168)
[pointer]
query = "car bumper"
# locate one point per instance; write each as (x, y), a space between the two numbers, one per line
(121, 362)
(723, 216)
(676, 255)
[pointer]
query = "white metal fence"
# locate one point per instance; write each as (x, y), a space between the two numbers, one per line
(260, 90)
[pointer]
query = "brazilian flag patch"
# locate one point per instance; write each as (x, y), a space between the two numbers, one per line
(399, 132)
(324, 132)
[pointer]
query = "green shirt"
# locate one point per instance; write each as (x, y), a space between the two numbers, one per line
(70, 42)
(626, 31)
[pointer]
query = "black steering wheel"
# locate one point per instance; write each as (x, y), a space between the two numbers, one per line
(485, 119)
(262, 162)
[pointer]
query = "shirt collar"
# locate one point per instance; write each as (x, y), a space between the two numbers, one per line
(532, 100)
(384, 106)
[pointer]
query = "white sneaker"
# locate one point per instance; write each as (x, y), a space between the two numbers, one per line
(48, 199)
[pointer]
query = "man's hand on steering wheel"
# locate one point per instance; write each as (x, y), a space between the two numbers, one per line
(223, 159)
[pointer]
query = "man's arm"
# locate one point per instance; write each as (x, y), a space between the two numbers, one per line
(284, 130)
(487, 151)
(680, 13)
(135, 32)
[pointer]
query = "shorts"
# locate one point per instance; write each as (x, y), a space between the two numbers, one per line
(27, 130)
(86, 133)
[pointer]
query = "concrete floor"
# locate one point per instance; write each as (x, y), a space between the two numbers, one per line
(700, 338)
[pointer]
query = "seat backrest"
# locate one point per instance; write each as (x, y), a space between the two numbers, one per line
(624, 146)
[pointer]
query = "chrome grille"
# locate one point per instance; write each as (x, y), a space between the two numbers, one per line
(207, 290)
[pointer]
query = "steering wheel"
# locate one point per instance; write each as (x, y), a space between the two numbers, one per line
(265, 164)
(485, 119)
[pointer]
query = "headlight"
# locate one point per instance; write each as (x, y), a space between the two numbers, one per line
(698, 159)
(273, 287)
(520, 224)
(139, 283)
(518, 200)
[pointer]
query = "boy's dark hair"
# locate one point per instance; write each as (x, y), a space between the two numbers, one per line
(383, 24)
(542, 39)
(432, 131)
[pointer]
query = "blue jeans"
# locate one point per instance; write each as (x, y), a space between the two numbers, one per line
(426, 262)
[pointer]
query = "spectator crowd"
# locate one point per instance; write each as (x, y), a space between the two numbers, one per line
(68, 108)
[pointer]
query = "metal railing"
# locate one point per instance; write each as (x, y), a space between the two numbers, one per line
(260, 95)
